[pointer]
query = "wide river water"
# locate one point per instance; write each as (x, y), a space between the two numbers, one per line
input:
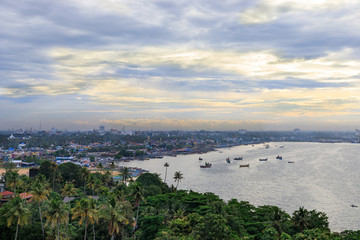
(324, 176)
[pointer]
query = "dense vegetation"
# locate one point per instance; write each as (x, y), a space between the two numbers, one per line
(145, 209)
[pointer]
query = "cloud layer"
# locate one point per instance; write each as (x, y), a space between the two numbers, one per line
(187, 65)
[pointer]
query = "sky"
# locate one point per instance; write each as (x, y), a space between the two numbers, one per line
(182, 65)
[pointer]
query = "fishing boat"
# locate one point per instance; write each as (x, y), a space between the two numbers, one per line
(200, 158)
(279, 157)
(238, 158)
(290, 161)
(206, 165)
(228, 160)
(244, 165)
(263, 159)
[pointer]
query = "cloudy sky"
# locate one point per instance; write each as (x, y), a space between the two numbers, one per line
(160, 64)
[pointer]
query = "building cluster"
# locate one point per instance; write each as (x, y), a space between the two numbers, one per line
(89, 149)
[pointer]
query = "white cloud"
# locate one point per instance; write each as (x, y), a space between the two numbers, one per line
(72, 63)
(269, 10)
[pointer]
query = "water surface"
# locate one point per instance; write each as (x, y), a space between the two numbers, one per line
(324, 176)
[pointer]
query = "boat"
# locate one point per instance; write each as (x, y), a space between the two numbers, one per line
(290, 161)
(352, 205)
(244, 165)
(200, 158)
(279, 157)
(206, 165)
(281, 147)
(238, 158)
(267, 146)
(263, 159)
(228, 160)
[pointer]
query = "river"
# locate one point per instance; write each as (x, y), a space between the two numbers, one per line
(324, 176)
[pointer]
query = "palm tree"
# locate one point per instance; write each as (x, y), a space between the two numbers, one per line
(137, 192)
(97, 186)
(279, 220)
(11, 177)
(69, 190)
(54, 168)
(91, 183)
(86, 211)
(56, 214)
(17, 212)
(84, 174)
(40, 178)
(178, 176)
(23, 183)
(94, 184)
(93, 217)
(40, 192)
(108, 178)
(301, 218)
(166, 165)
(125, 174)
(117, 214)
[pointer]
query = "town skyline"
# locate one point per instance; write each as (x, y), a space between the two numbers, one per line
(187, 65)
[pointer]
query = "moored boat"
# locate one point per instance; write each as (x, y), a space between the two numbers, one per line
(228, 160)
(279, 157)
(290, 161)
(238, 158)
(244, 165)
(200, 158)
(263, 159)
(206, 165)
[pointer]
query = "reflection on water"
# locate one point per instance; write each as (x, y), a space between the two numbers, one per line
(324, 177)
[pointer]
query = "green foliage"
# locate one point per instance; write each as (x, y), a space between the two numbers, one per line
(32, 158)
(152, 184)
(61, 153)
(31, 231)
(46, 169)
(124, 153)
(146, 209)
(313, 234)
(150, 225)
(269, 233)
(349, 235)
(139, 153)
(16, 212)
(212, 227)
(285, 236)
(305, 219)
(117, 214)
(70, 172)
(180, 227)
